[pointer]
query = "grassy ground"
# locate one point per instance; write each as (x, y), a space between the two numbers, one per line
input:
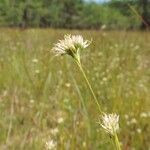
(41, 96)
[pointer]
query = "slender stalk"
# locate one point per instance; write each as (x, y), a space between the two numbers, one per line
(117, 143)
(11, 122)
(113, 143)
(138, 15)
(86, 115)
(89, 85)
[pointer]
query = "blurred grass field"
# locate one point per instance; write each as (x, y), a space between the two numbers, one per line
(41, 95)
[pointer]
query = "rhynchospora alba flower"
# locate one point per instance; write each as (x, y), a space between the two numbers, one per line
(110, 122)
(50, 145)
(71, 45)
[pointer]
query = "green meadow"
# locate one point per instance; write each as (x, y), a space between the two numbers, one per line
(42, 95)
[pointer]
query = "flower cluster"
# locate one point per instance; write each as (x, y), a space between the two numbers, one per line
(50, 145)
(71, 44)
(110, 123)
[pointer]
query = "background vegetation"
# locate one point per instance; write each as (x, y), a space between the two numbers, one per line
(41, 94)
(73, 14)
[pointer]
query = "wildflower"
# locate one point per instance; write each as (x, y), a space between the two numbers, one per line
(133, 121)
(71, 45)
(32, 101)
(84, 144)
(60, 120)
(50, 145)
(137, 47)
(110, 123)
(68, 85)
(54, 131)
(104, 79)
(139, 130)
(34, 60)
(126, 116)
(103, 27)
(143, 115)
(37, 71)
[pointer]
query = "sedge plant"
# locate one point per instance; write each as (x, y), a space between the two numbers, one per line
(72, 45)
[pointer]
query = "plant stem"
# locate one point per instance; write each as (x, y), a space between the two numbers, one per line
(113, 143)
(86, 115)
(117, 142)
(89, 85)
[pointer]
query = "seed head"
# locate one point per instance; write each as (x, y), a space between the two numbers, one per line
(110, 123)
(71, 45)
(50, 145)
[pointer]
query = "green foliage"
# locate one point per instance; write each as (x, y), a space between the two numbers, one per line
(70, 14)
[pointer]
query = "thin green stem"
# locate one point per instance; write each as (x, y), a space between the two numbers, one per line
(86, 115)
(117, 143)
(89, 85)
(113, 143)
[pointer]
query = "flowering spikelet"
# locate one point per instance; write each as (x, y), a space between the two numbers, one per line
(110, 123)
(71, 44)
(50, 145)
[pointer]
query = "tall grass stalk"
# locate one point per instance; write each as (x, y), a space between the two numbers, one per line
(78, 62)
(117, 143)
(86, 115)
(89, 85)
(116, 140)
(139, 16)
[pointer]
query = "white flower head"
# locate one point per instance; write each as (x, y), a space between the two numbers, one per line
(50, 145)
(60, 120)
(35, 60)
(71, 45)
(143, 115)
(110, 122)
(54, 131)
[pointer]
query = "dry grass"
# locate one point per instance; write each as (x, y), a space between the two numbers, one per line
(40, 92)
